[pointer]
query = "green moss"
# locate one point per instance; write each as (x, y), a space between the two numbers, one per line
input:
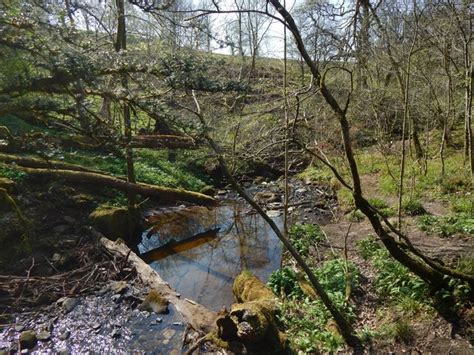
(116, 222)
(154, 302)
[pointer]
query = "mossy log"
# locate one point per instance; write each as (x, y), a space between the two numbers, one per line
(163, 141)
(31, 162)
(199, 317)
(252, 320)
(166, 194)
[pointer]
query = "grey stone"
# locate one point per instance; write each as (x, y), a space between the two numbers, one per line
(65, 335)
(43, 336)
(69, 304)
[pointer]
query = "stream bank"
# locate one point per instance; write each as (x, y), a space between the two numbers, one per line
(104, 319)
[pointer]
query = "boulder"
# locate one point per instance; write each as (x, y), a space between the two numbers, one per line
(28, 339)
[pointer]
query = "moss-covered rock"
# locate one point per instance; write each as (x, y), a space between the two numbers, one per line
(248, 287)
(117, 222)
(28, 339)
(252, 320)
(154, 302)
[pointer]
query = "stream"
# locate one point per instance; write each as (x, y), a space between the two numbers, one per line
(204, 269)
(199, 251)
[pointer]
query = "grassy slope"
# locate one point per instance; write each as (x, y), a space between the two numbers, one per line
(151, 166)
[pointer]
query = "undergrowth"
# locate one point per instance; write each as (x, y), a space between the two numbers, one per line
(446, 226)
(302, 314)
(305, 319)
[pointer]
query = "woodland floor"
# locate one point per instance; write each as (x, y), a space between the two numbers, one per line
(62, 211)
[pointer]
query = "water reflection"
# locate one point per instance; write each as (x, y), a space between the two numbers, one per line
(204, 272)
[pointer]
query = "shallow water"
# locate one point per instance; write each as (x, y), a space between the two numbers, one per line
(98, 324)
(204, 268)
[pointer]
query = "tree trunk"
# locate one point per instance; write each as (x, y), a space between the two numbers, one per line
(121, 44)
(166, 194)
(199, 317)
(428, 270)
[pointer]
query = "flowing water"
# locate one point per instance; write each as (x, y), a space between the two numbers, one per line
(199, 251)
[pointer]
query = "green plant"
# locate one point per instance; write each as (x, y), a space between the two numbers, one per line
(333, 275)
(463, 204)
(413, 208)
(304, 236)
(394, 280)
(284, 282)
(447, 225)
(356, 216)
(12, 173)
(368, 247)
(404, 331)
(382, 206)
(307, 321)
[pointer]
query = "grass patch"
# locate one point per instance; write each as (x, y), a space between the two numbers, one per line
(463, 204)
(383, 207)
(151, 167)
(18, 126)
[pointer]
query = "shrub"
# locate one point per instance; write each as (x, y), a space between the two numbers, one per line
(368, 247)
(413, 208)
(382, 206)
(303, 236)
(284, 282)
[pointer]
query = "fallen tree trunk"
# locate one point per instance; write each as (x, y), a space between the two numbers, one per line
(199, 317)
(163, 141)
(167, 194)
(175, 247)
(31, 162)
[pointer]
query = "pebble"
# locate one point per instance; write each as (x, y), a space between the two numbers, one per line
(19, 327)
(65, 335)
(168, 333)
(115, 333)
(119, 286)
(43, 336)
(96, 326)
(69, 304)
